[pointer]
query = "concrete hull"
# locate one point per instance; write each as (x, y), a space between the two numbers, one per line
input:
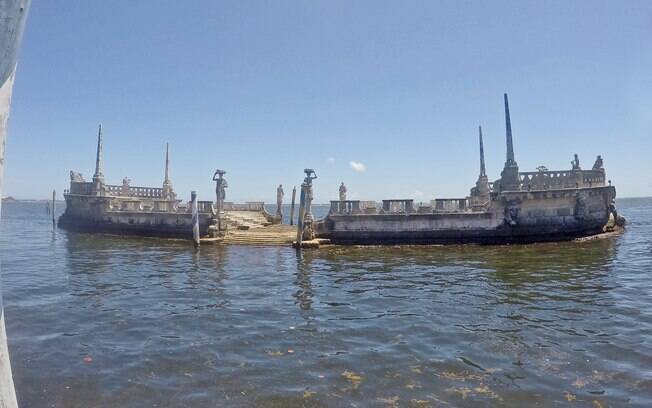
(142, 224)
(500, 236)
(512, 217)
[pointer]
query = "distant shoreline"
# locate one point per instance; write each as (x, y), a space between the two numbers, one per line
(16, 200)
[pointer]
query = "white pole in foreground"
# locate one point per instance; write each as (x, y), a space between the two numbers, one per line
(195, 218)
(14, 14)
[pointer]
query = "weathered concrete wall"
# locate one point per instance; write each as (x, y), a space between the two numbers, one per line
(12, 22)
(535, 215)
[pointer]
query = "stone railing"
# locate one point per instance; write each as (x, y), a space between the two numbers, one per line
(545, 180)
(593, 178)
(82, 188)
(345, 207)
(204, 206)
(144, 205)
(449, 204)
(368, 207)
(134, 191)
(400, 206)
(247, 206)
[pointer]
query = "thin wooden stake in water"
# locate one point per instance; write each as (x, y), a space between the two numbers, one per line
(195, 218)
(54, 207)
(302, 211)
(294, 195)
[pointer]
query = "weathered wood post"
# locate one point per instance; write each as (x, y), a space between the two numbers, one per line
(195, 218)
(54, 207)
(302, 208)
(279, 204)
(294, 195)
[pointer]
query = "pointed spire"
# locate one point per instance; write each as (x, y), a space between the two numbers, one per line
(483, 171)
(509, 178)
(167, 164)
(98, 158)
(510, 143)
(168, 192)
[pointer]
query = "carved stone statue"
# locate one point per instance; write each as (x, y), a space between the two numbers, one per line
(342, 192)
(220, 189)
(125, 186)
(598, 165)
(308, 231)
(576, 163)
(76, 177)
(279, 200)
(512, 210)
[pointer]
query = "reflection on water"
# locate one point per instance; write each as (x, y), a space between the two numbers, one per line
(100, 320)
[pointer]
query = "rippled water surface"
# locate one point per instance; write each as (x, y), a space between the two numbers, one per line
(106, 321)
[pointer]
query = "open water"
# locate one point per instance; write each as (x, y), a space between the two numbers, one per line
(107, 321)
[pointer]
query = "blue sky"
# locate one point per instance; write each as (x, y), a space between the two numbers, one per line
(263, 89)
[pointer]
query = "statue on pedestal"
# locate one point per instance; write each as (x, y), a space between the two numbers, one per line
(598, 165)
(220, 189)
(124, 191)
(576, 163)
(308, 232)
(76, 177)
(342, 192)
(279, 201)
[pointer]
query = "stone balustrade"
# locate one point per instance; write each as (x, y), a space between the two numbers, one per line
(247, 206)
(546, 180)
(450, 204)
(345, 207)
(204, 206)
(135, 191)
(398, 206)
(593, 178)
(82, 188)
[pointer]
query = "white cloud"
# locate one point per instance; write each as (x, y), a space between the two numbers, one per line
(357, 166)
(331, 160)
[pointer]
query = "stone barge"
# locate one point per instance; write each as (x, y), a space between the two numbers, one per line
(94, 206)
(519, 207)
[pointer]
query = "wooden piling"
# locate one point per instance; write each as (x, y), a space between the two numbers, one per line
(195, 218)
(302, 210)
(54, 207)
(294, 195)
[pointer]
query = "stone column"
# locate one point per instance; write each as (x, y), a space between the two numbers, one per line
(195, 218)
(279, 203)
(294, 194)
